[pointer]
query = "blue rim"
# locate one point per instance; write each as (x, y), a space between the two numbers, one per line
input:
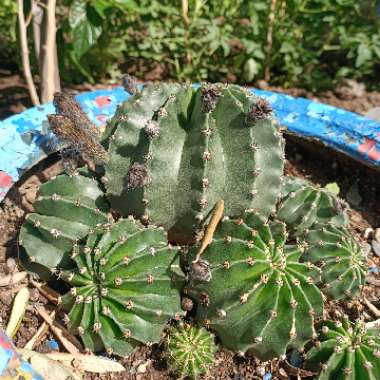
(25, 140)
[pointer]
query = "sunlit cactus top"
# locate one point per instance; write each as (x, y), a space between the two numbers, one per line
(190, 350)
(347, 351)
(340, 257)
(302, 205)
(257, 296)
(175, 150)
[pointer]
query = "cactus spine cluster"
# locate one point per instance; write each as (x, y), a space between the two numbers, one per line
(123, 291)
(67, 209)
(190, 350)
(347, 351)
(258, 295)
(175, 150)
(339, 256)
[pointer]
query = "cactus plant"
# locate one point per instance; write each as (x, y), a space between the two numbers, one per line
(190, 350)
(341, 258)
(257, 296)
(346, 350)
(67, 208)
(123, 289)
(303, 205)
(181, 149)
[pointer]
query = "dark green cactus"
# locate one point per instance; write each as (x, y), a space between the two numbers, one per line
(190, 350)
(342, 260)
(346, 351)
(303, 205)
(175, 150)
(257, 295)
(67, 208)
(123, 290)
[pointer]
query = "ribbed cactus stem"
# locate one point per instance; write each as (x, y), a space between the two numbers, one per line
(122, 290)
(345, 350)
(259, 296)
(182, 149)
(302, 205)
(340, 257)
(67, 209)
(190, 350)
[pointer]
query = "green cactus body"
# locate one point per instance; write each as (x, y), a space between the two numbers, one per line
(340, 257)
(190, 350)
(67, 208)
(181, 149)
(259, 296)
(123, 290)
(303, 205)
(346, 351)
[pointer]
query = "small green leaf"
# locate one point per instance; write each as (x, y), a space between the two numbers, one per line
(333, 188)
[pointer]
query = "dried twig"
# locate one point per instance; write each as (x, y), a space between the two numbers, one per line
(25, 54)
(39, 335)
(48, 61)
(48, 293)
(68, 341)
(372, 308)
(13, 278)
(373, 324)
(373, 281)
(217, 214)
(185, 11)
(269, 42)
(18, 311)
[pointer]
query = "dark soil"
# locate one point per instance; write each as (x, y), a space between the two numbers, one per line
(317, 164)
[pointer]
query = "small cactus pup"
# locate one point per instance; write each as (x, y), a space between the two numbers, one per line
(346, 351)
(175, 150)
(190, 350)
(67, 208)
(257, 296)
(303, 205)
(340, 257)
(124, 287)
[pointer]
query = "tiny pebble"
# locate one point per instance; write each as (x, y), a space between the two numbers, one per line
(52, 344)
(377, 235)
(376, 247)
(267, 376)
(261, 371)
(368, 233)
(11, 265)
(283, 373)
(366, 248)
(142, 367)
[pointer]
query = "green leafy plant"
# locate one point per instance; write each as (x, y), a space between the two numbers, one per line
(340, 257)
(123, 291)
(67, 209)
(302, 205)
(345, 350)
(258, 295)
(176, 150)
(189, 350)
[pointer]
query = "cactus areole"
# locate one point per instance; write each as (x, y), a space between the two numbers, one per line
(174, 151)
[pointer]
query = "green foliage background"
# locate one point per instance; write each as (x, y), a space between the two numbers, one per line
(315, 42)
